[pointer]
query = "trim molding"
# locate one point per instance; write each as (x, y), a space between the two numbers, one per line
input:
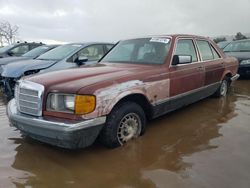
(184, 94)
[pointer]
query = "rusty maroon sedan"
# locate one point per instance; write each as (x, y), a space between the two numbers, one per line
(139, 79)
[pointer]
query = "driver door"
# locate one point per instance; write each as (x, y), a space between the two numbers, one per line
(186, 79)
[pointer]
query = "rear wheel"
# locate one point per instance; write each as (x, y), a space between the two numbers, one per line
(224, 88)
(125, 122)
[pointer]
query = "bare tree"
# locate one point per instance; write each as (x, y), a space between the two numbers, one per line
(8, 32)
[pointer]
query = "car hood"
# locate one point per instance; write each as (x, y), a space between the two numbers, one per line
(7, 60)
(17, 69)
(102, 74)
(239, 55)
(3, 55)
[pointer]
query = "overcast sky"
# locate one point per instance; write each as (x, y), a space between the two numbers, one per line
(111, 20)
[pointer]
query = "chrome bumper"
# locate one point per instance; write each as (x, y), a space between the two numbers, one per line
(67, 134)
(235, 77)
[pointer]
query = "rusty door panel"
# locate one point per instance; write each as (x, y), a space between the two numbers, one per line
(184, 78)
(214, 70)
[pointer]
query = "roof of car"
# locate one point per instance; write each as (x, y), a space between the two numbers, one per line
(173, 36)
(52, 45)
(88, 43)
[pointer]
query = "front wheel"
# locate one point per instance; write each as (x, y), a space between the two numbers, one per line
(125, 122)
(223, 89)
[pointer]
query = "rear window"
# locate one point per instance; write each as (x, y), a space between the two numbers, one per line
(215, 53)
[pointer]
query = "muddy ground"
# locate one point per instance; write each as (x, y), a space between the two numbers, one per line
(205, 145)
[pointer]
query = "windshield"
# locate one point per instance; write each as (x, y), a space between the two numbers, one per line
(6, 48)
(139, 51)
(60, 52)
(239, 46)
(36, 52)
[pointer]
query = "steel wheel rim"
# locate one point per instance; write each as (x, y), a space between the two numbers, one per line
(129, 128)
(223, 89)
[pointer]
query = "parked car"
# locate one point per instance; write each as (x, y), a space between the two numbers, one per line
(32, 54)
(18, 49)
(223, 44)
(62, 57)
(139, 79)
(241, 50)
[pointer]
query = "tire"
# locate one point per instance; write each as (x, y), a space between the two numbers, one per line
(125, 122)
(223, 89)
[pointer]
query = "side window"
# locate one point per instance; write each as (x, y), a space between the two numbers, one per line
(205, 50)
(22, 49)
(93, 53)
(109, 46)
(215, 53)
(186, 47)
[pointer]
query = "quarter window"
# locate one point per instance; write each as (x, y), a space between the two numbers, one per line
(215, 53)
(186, 47)
(205, 50)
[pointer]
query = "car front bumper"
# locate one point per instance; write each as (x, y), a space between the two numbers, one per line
(65, 134)
(244, 70)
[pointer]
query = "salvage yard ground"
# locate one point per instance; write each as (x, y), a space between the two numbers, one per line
(204, 145)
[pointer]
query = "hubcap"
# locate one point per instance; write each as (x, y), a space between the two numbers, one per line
(129, 128)
(223, 88)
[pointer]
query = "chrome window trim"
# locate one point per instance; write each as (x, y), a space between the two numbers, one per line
(174, 49)
(184, 94)
(210, 45)
(200, 60)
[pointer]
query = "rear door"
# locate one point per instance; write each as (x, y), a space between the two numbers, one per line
(185, 79)
(213, 63)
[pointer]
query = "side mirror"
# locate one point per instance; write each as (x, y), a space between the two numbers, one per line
(181, 59)
(81, 60)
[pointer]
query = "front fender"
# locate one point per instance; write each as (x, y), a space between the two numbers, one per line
(108, 97)
(227, 72)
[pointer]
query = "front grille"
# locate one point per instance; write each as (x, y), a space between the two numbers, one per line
(28, 97)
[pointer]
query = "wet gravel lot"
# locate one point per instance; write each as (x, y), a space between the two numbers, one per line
(205, 145)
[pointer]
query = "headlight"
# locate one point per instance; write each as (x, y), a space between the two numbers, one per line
(74, 104)
(245, 62)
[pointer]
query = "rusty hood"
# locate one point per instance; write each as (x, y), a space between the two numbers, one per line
(72, 80)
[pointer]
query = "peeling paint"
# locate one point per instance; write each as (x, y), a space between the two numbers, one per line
(107, 97)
